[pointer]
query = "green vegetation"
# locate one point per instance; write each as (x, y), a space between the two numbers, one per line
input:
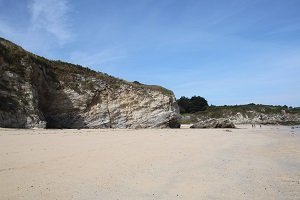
(249, 110)
(87, 85)
(192, 105)
(244, 109)
(13, 55)
(222, 111)
(151, 87)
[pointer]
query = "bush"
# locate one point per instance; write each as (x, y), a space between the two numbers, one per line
(192, 105)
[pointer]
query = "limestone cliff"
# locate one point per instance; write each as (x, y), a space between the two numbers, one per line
(246, 117)
(36, 92)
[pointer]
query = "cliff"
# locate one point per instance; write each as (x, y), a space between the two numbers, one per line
(36, 92)
(248, 114)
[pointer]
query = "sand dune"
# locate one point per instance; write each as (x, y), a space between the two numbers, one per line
(246, 163)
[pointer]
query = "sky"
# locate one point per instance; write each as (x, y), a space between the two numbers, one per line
(227, 51)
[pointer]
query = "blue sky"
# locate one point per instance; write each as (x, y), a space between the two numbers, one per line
(228, 51)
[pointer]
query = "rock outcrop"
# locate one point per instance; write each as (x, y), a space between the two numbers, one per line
(36, 92)
(262, 114)
(214, 123)
(253, 117)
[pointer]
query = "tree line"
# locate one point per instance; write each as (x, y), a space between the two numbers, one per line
(192, 105)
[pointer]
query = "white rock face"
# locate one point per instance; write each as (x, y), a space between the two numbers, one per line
(127, 107)
(123, 107)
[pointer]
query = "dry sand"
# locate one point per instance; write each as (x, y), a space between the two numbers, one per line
(261, 163)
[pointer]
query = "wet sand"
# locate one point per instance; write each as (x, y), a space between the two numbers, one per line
(261, 163)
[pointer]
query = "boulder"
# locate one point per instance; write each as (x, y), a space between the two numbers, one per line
(214, 123)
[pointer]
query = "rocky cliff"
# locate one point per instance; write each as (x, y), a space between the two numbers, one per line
(36, 92)
(262, 118)
(246, 117)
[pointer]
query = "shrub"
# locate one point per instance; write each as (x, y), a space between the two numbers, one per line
(192, 105)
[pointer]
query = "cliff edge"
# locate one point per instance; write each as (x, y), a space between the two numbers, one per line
(36, 92)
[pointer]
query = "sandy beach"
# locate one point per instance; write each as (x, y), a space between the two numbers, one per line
(245, 163)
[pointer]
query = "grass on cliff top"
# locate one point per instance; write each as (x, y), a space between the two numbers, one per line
(13, 54)
(224, 111)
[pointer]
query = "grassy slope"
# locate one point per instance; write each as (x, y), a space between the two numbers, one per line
(13, 54)
(225, 111)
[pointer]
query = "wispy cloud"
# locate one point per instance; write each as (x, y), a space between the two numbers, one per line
(51, 16)
(287, 28)
(46, 27)
(5, 29)
(234, 9)
(100, 58)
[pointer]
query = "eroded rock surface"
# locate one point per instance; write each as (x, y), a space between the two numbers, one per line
(214, 123)
(36, 92)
